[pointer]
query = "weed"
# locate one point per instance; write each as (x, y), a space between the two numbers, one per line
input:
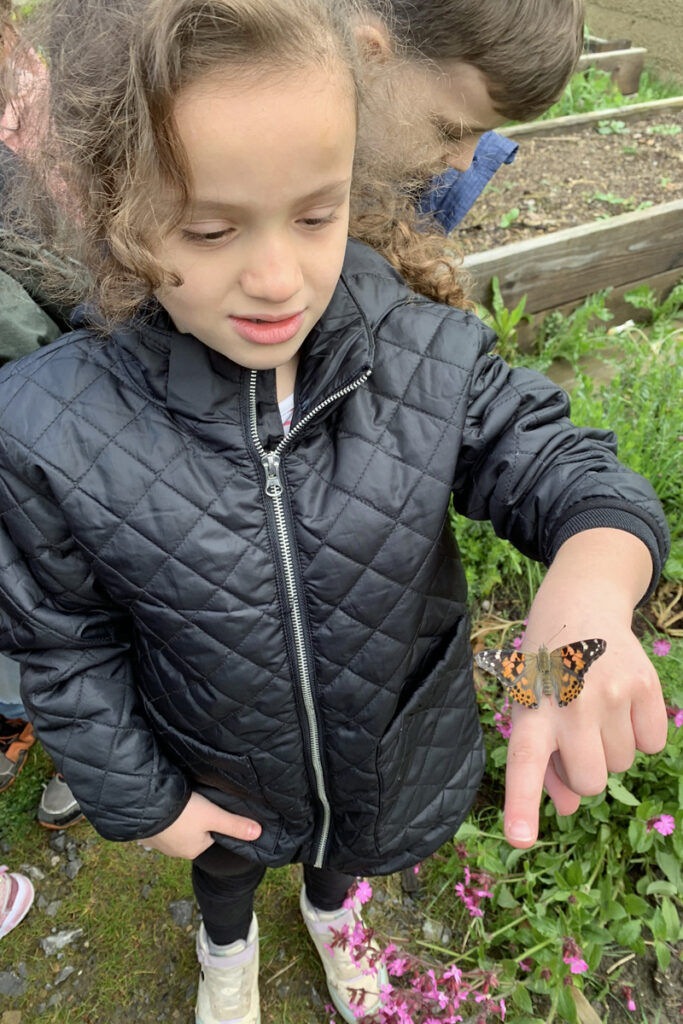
(612, 199)
(612, 128)
(593, 89)
(663, 129)
(503, 320)
(509, 217)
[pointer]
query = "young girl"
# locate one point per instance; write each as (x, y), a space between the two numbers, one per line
(225, 559)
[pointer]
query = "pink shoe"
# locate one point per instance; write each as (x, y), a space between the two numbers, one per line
(16, 899)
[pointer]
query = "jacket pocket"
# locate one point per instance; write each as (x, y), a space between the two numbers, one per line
(424, 759)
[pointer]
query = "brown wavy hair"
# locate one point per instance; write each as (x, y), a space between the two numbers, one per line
(110, 145)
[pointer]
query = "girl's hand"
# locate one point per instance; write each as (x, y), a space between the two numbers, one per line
(190, 833)
(590, 589)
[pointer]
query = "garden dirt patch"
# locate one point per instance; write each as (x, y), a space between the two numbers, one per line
(576, 178)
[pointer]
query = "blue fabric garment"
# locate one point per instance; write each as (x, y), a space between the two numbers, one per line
(10, 697)
(455, 192)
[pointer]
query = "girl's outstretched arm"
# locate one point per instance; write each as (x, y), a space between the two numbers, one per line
(596, 579)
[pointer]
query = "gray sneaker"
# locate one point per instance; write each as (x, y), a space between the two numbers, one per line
(58, 807)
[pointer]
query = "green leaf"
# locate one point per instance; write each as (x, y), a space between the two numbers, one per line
(672, 924)
(566, 1005)
(620, 793)
(626, 932)
(522, 999)
(663, 954)
(669, 866)
(660, 889)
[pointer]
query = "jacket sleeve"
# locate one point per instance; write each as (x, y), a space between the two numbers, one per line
(539, 478)
(78, 676)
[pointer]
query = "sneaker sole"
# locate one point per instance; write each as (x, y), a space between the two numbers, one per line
(198, 1020)
(58, 825)
(19, 762)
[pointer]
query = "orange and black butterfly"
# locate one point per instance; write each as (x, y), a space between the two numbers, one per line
(526, 676)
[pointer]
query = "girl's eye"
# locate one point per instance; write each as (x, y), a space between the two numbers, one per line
(205, 237)
(318, 222)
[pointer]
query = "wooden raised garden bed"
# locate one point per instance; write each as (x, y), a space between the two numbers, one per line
(558, 269)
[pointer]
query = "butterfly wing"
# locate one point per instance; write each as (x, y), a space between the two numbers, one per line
(569, 666)
(517, 672)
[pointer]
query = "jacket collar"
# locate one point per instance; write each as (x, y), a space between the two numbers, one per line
(200, 384)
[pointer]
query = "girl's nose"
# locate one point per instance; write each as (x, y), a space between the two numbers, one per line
(273, 274)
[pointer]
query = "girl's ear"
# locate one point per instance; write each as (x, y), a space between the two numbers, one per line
(374, 39)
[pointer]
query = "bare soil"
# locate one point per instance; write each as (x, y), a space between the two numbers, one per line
(576, 178)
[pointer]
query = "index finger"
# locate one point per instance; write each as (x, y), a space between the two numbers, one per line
(529, 751)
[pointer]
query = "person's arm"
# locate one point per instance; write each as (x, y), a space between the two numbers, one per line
(78, 678)
(560, 495)
(590, 591)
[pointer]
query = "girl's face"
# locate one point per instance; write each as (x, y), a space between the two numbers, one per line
(261, 248)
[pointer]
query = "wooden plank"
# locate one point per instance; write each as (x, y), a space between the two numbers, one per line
(625, 66)
(566, 266)
(661, 285)
(565, 125)
(594, 44)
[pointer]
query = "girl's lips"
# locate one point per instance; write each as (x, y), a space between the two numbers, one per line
(263, 332)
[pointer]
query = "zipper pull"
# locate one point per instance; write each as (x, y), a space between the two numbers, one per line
(271, 466)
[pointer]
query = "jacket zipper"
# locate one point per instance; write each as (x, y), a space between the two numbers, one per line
(271, 467)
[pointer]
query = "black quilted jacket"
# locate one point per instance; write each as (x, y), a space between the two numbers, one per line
(279, 624)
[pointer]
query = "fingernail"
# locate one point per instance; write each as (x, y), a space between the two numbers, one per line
(253, 832)
(519, 831)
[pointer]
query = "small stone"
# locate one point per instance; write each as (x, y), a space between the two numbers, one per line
(55, 860)
(73, 867)
(33, 873)
(145, 891)
(11, 1017)
(11, 984)
(65, 973)
(436, 931)
(71, 851)
(52, 908)
(181, 912)
(53, 943)
(22, 970)
(58, 842)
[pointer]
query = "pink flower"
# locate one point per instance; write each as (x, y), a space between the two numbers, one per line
(571, 954)
(661, 647)
(518, 641)
(363, 892)
(472, 896)
(416, 869)
(676, 714)
(503, 724)
(627, 993)
(662, 823)
(525, 965)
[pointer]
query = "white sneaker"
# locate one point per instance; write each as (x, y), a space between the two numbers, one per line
(343, 973)
(228, 984)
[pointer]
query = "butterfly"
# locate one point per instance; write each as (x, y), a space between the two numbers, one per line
(526, 676)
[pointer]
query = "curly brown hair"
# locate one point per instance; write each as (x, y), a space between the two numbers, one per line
(110, 145)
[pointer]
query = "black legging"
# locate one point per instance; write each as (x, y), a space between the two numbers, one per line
(225, 883)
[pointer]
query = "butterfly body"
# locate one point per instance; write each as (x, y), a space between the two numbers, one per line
(527, 677)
